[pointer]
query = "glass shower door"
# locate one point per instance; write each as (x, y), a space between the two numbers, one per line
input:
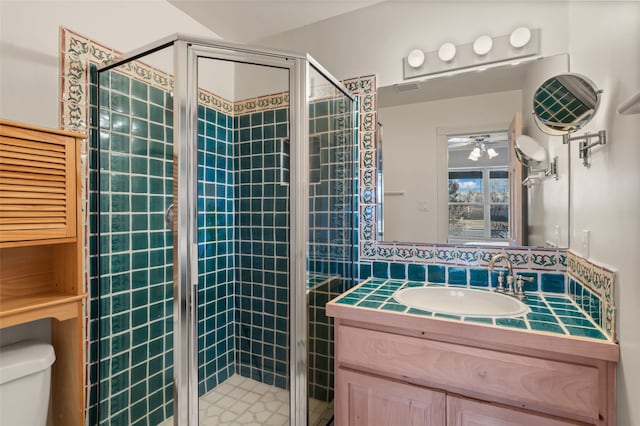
(131, 189)
(331, 218)
(243, 313)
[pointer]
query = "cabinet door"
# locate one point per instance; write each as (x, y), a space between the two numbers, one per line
(367, 400)
(37, 184)
(466, 412)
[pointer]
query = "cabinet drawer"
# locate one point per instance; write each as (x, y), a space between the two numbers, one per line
(523, 381)
(465, 412)
(37, 184)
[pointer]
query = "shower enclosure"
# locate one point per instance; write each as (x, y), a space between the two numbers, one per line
(222, 220)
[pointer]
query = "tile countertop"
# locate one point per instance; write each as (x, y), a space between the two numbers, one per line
(551, 315)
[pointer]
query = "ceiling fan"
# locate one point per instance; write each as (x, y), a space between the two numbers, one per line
(482, 144)
(462, 141)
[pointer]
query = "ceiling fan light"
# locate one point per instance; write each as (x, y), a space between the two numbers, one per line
(492, 153)
(475, 152)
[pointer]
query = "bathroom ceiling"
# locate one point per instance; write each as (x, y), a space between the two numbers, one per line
(250, 20)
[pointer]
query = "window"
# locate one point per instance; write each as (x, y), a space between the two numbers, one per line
(479, 204)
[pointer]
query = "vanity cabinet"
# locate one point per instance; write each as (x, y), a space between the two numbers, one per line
(41, 251)
(390, 365)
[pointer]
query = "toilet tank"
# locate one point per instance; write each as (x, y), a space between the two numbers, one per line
(25, 381)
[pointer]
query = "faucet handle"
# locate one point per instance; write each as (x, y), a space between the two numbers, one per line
(522, 277)
(500, 288)
(520, 287)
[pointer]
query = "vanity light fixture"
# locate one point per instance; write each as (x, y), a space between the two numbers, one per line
(520, 37)
(482, 45)
(485, 51)
(415, 59)
(447, 52)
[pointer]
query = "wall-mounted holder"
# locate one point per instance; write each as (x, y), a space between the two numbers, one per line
(536, 175)
(552, 170)
(586, 144)
(533, 155)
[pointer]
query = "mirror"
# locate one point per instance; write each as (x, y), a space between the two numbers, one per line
(452, 169)
(565, 103)
(529, 151)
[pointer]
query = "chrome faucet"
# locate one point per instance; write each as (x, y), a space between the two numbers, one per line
(516, 290)
(492, 262)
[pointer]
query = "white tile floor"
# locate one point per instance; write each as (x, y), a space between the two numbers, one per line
(243, 401)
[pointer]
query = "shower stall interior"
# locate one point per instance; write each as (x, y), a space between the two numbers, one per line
(222, 194)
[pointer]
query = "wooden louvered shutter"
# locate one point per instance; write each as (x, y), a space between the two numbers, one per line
(37, 184)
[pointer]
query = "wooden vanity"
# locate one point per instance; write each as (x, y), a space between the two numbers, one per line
(41, 250)
(394, 368)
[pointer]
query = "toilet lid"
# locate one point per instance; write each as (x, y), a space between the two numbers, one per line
(24, 358)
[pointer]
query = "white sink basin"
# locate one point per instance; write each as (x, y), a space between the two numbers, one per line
(461, 301)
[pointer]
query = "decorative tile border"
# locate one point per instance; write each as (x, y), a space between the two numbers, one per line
(261, 103)
(370, 249)
(592, 287)
(79, 53)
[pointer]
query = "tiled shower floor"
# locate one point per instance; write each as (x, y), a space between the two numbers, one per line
(243, 401)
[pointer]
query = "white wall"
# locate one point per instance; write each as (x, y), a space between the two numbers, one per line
(29, 44)
(603, 41)
(605, 46)
(547, 200)
(375, 39)
(411, 157)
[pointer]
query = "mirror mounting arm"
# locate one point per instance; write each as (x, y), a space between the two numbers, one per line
(586, 144)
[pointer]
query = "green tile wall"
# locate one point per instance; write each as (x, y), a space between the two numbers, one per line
(262, 246)
(135, 289)
(216, 261)
(133, 284)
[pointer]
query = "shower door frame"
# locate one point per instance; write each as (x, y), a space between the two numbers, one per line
(188, 107)
(187, 51)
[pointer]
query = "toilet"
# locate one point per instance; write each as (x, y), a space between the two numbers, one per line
(25, 378)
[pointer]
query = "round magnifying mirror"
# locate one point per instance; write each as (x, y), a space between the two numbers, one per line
(529, 151)
(565, 103)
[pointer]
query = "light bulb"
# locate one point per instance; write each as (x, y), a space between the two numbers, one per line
(482, 45)
(520, 37)
(415, 59)
(492, 153)
(447, 52)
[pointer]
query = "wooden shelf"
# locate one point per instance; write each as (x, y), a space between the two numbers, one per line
(31, 243)
(41, 251)
(51, 304)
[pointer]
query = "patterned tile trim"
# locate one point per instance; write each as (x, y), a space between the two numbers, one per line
(261, 103)
(78, 52)
(599, 279)
(550, 259)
